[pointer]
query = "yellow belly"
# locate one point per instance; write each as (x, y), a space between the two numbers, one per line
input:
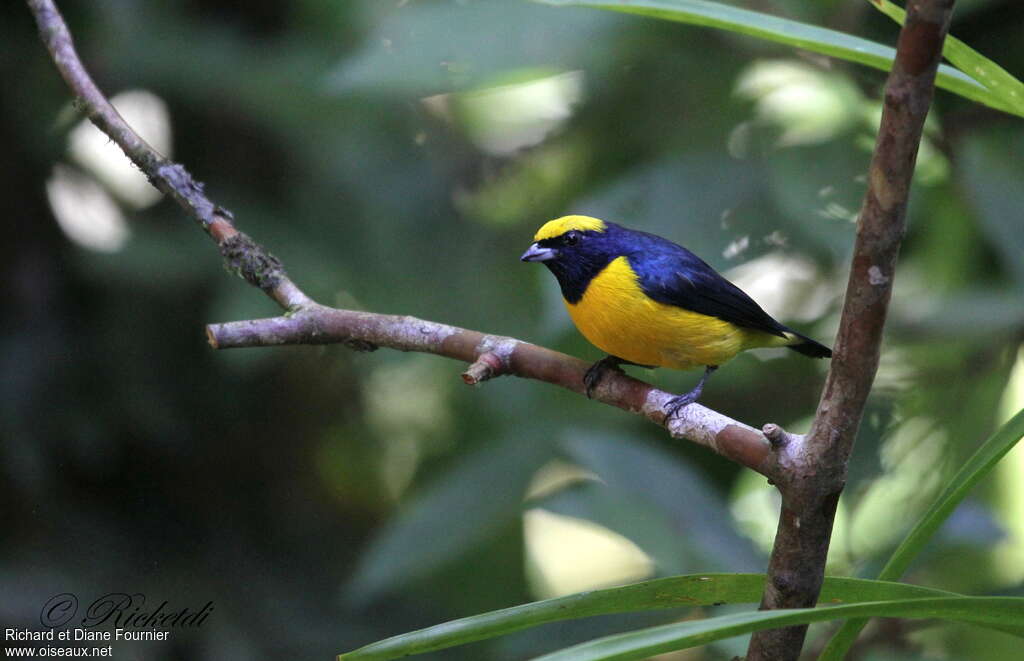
(616, 316)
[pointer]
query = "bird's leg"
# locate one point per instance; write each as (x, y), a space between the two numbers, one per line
(596, 371)
(675, 404)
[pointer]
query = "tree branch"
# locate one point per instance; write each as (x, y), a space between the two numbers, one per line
(496, 355)
(813, 473)
(308, 322)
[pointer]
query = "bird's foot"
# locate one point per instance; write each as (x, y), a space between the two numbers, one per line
(679, 402)
(597, 371)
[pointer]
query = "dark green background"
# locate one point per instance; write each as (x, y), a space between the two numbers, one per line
(134, 458)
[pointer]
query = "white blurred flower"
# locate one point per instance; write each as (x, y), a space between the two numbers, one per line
(503, 119)
(807, 104)
(85, 211)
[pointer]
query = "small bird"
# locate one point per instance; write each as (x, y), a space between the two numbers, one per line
(647, 301)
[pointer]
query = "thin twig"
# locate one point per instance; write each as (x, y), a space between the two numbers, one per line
(813, 472)
(241, 253)
(310, 323)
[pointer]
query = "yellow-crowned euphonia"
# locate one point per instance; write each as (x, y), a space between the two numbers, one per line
(647, 301)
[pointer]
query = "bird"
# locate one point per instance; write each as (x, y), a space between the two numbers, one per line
(647, 301)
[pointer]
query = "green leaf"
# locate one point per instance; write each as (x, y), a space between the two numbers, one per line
(793, 33)
(1002, 612)
(668, 490)
(665, 593)
(449, 517)
(977, 467)
(997, 79)
(991, 172)
(434, 47)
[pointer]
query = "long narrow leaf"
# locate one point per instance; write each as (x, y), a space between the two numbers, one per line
(792, 33)
(990, 611)
(997, 79)
(674, 592)
(977, 467)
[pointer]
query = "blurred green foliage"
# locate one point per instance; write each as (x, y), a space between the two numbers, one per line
(398, 157)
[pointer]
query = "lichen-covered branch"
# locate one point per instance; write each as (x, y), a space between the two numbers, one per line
(310, 323)
(813, 472)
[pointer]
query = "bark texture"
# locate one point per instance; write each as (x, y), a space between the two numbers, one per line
(813, 470)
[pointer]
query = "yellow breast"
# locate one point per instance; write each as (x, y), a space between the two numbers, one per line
(616, 316)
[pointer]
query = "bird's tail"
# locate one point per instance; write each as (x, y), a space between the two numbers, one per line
(807, 346)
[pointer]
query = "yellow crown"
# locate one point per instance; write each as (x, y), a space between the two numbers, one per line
(560, 226)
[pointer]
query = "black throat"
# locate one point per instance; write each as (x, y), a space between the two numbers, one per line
(574, 275)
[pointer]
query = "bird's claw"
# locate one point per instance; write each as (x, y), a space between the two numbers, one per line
(678, 403)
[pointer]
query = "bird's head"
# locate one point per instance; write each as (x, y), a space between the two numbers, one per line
(575, 249)
(565, 238)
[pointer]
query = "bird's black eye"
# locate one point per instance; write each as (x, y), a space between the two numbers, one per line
(572, 238)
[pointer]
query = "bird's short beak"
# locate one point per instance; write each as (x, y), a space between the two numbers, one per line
(538, 254)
